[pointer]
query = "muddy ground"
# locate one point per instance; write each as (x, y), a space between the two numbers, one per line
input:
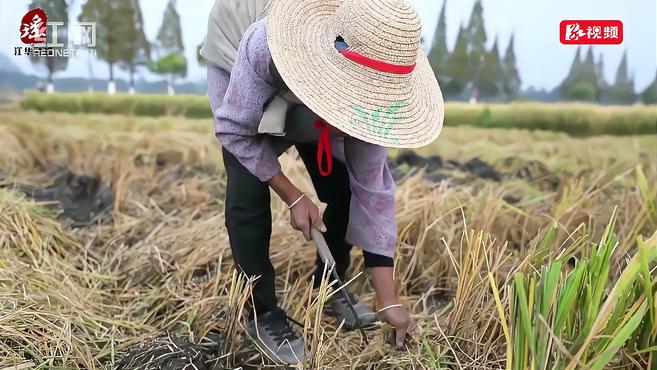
(82, 199)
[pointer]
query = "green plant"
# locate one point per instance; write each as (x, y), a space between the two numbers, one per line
(172, 64)
(583, 91)
(566, 317)
(573, 119)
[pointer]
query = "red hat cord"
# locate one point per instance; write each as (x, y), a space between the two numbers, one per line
(324, 147)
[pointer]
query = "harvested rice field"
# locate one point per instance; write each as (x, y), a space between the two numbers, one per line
(517, 250)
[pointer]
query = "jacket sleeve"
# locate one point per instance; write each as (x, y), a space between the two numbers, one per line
(372, 218)
(250, 88)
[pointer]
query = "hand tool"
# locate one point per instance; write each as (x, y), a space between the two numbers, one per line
(327, 258)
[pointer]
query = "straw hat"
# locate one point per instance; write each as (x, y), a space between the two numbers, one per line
(358, 65)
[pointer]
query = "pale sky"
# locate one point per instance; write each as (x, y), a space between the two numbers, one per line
(542, 61)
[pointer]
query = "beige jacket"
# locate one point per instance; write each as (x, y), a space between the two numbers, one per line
(226, 24)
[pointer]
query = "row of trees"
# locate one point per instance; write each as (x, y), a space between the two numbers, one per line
(470, 71)
(55, 10)
(586, 82)
(120, 39)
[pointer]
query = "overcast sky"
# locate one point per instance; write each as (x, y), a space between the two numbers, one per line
(543, 62)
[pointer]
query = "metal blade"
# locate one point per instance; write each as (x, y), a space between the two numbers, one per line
(327, 258)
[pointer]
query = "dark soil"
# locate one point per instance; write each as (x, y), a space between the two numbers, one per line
(168, 353)
(482, 169)
(436, 170)
(80, 198)
(178, 353)
(408, 163)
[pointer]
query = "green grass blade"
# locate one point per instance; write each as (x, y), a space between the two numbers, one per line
(567, 298)
(619, 338)
(647, 281)
(551, 281)
(519, 283)
(625, 281)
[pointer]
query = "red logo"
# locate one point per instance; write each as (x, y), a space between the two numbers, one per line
(591, 32)
(33, 27)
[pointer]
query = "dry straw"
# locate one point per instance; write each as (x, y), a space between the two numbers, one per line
(161, 266)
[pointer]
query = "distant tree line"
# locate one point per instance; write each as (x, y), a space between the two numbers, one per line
(586, 82)
(471, 71)
(55, 10)
(120, 39)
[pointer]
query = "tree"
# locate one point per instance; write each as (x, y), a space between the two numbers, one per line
(582, 81)
(649, 95)
(113, 19)
(600, 72)
(171, 59)
(171, 64)
(512, 81)
(476, 36)
(566, 85)
(57, 11)
(576, 66)
(622, 91)
(439, 53)
(622, 75)
(602, 81)
(589, 68)
(490, 82)
(137, 48)
(458, 72)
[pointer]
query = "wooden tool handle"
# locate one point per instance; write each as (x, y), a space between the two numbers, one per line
(322, 247)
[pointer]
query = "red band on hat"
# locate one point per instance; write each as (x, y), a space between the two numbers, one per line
(324, 147)
(378, 65)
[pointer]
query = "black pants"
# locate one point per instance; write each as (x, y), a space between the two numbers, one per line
(248, 220)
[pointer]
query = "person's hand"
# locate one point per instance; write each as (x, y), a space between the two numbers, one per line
(400, 319)
(304, 215)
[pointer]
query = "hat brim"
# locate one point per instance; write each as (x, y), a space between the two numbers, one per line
(392, 110)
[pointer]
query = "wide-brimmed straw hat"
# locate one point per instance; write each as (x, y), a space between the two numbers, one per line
(358, 65)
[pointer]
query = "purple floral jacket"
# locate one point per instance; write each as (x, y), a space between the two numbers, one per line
(238, 100)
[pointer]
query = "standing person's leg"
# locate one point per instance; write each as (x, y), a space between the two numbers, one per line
(335, 192)
(248, 220)
(248, 212)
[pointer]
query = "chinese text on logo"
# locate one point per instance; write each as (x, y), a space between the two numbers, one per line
(580, 32)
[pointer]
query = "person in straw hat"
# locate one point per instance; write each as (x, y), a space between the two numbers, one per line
(340, 80)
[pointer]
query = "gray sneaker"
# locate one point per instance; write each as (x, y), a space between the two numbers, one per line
(274, 337)
(339, 308)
